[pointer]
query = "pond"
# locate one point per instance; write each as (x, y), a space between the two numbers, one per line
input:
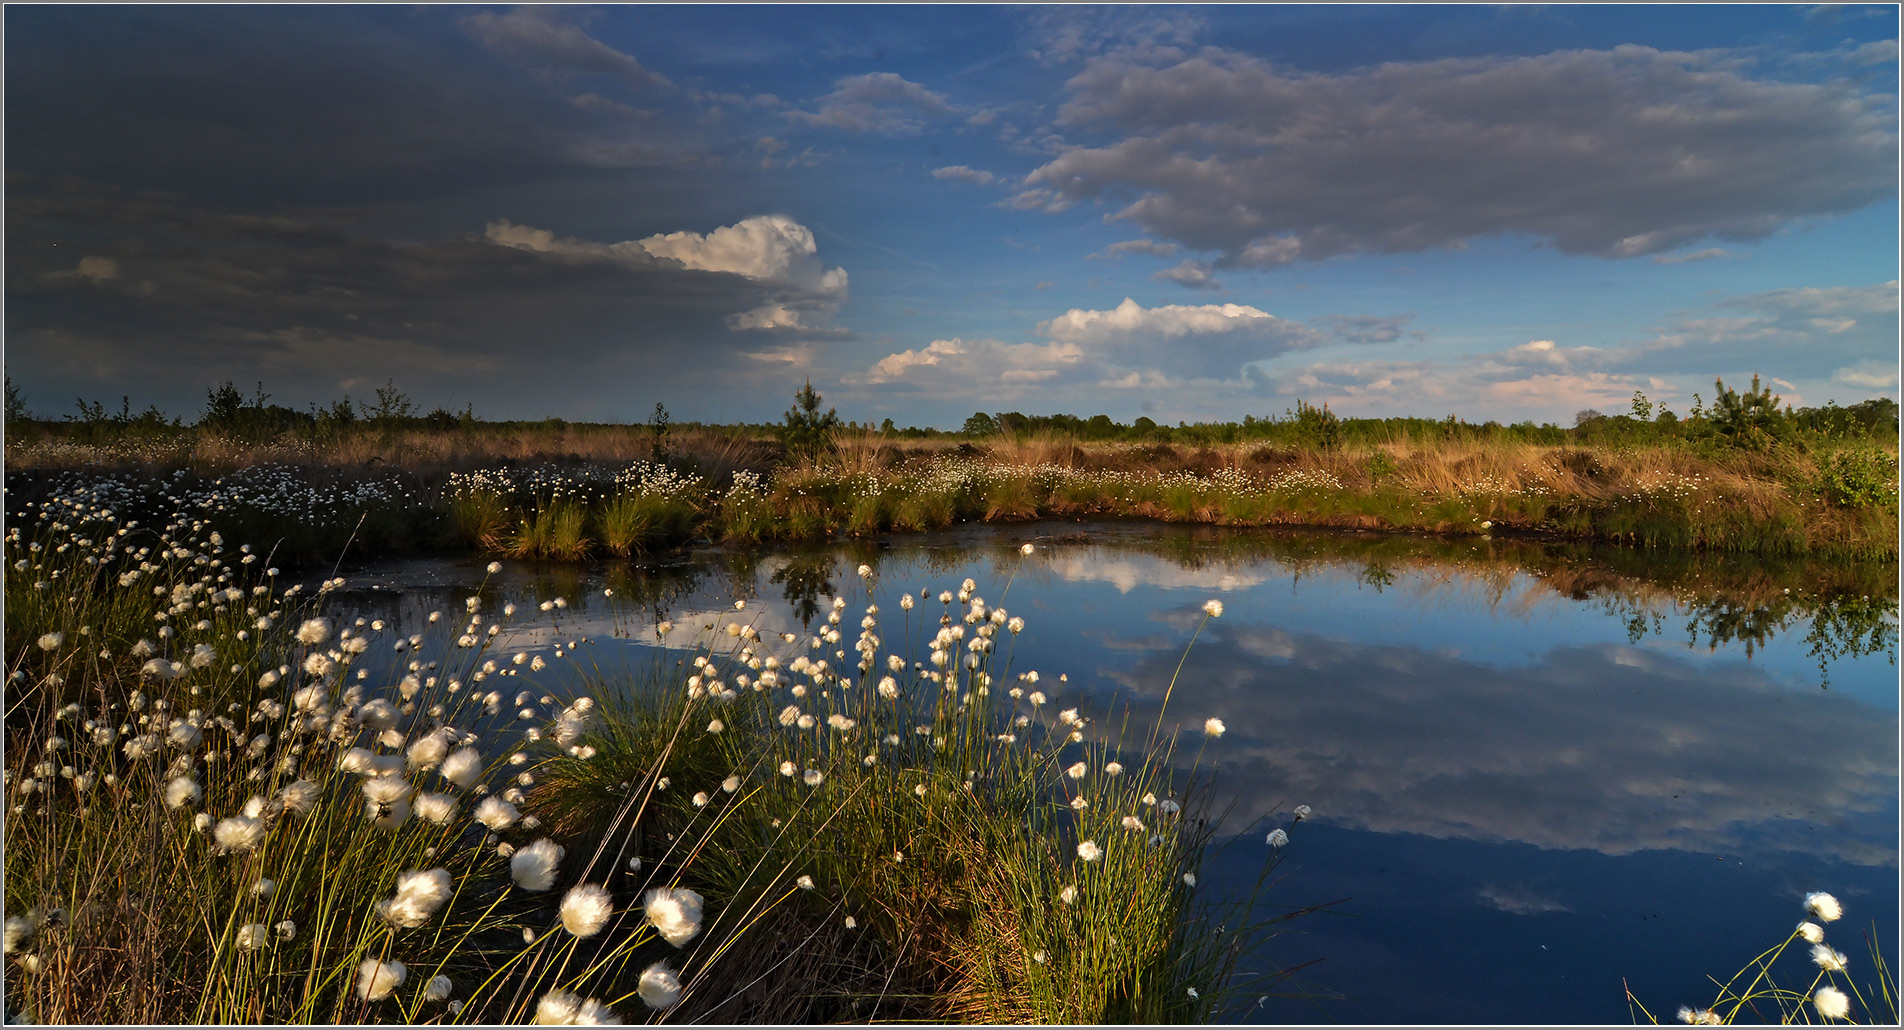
(1538, 774)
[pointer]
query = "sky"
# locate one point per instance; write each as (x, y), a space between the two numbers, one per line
(1184, 213)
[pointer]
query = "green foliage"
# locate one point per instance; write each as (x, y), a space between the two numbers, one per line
(1858, 478)
(658, 432)
(806, 432)
(1318, 427)
(1752, 419)
(980, 425)
(1642, 408)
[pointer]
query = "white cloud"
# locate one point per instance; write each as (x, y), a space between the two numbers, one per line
(957, 365)
(1872, 375)
(963, 173)
(1131, 320)
(1151, 247)
(772, 249)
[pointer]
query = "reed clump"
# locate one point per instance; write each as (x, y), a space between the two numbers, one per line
(235, 812)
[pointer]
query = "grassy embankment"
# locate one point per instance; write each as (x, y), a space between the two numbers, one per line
(571, 491)
(237, 812)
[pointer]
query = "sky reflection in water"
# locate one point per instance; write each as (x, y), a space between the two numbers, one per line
(1525, 802)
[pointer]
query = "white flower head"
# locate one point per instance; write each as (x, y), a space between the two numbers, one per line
(1277, 838)
(1213, 608)
(674, 912)
(586, 908)
(463, 766)
(1824, 906)
(1089, 851)
(1026, 549)
(659, 987)
(1811, 932)
(1827, 958)
(239, 833)
(560, 1008)
(1831, 1003)
(419, 896)
(1077, 771)
(253, 936)
(534, 866)
(497, 814)
(1214, 727)
(437, 989)
(805, 882)
(1069, 895)
(378, 980)
(314, 632)
(181, 791)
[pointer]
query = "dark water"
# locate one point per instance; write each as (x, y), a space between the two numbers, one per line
(1538, 776)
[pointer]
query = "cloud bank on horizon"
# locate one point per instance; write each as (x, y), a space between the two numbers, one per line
(1505, 214)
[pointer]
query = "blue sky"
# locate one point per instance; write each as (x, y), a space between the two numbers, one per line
(1186, 213)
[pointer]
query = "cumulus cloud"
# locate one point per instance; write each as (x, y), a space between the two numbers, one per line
(984, 365)
(1206, 340)
(537, 34)
(964, 174)
(879, 102)
(1870, 375)
(767, 248)
(1618, 153)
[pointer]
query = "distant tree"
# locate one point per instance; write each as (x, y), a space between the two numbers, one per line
(392, 404)
(980, 424)
(658, 429)
(1586, 415)
(1750, 419)
(887, 426)
(16, 404)
(807, 432)
(1642, 408)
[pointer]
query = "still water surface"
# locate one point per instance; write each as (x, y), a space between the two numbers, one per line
(1536, 777)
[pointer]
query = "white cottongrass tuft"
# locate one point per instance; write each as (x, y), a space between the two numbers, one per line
(497, 814)
(52, 641)
(560, 1008)
(1026, 549)
(1277, 838)
(659, 987)
(1812, 932)
(805, 883)
(429, 751)
(437, 989)
(1113, 768)
(253, 936)
(813, 777)
(586, 908)
(300, 796)
(1089, 851)
(314, 631)
(419, 896)
(435, 808)
(1214, 727)
(1302, 811)
(1189, 879)
(1827, 958)
(1069, 895)
(1831, 1003)
(674, 912)
(731, 784)
(1699, 1017)
(378, 980)
(1213, 608)
(239, 833)
(463, 766)
(1077, 771)
(182, 791)
(1824, 906)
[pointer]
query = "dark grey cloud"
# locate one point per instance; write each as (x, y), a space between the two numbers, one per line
(174, 297)
(1611, 748)
(546, 36)
(878, 102)
(1619, 153)
(1190, 274)
(286, 108)
(1367, 328)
